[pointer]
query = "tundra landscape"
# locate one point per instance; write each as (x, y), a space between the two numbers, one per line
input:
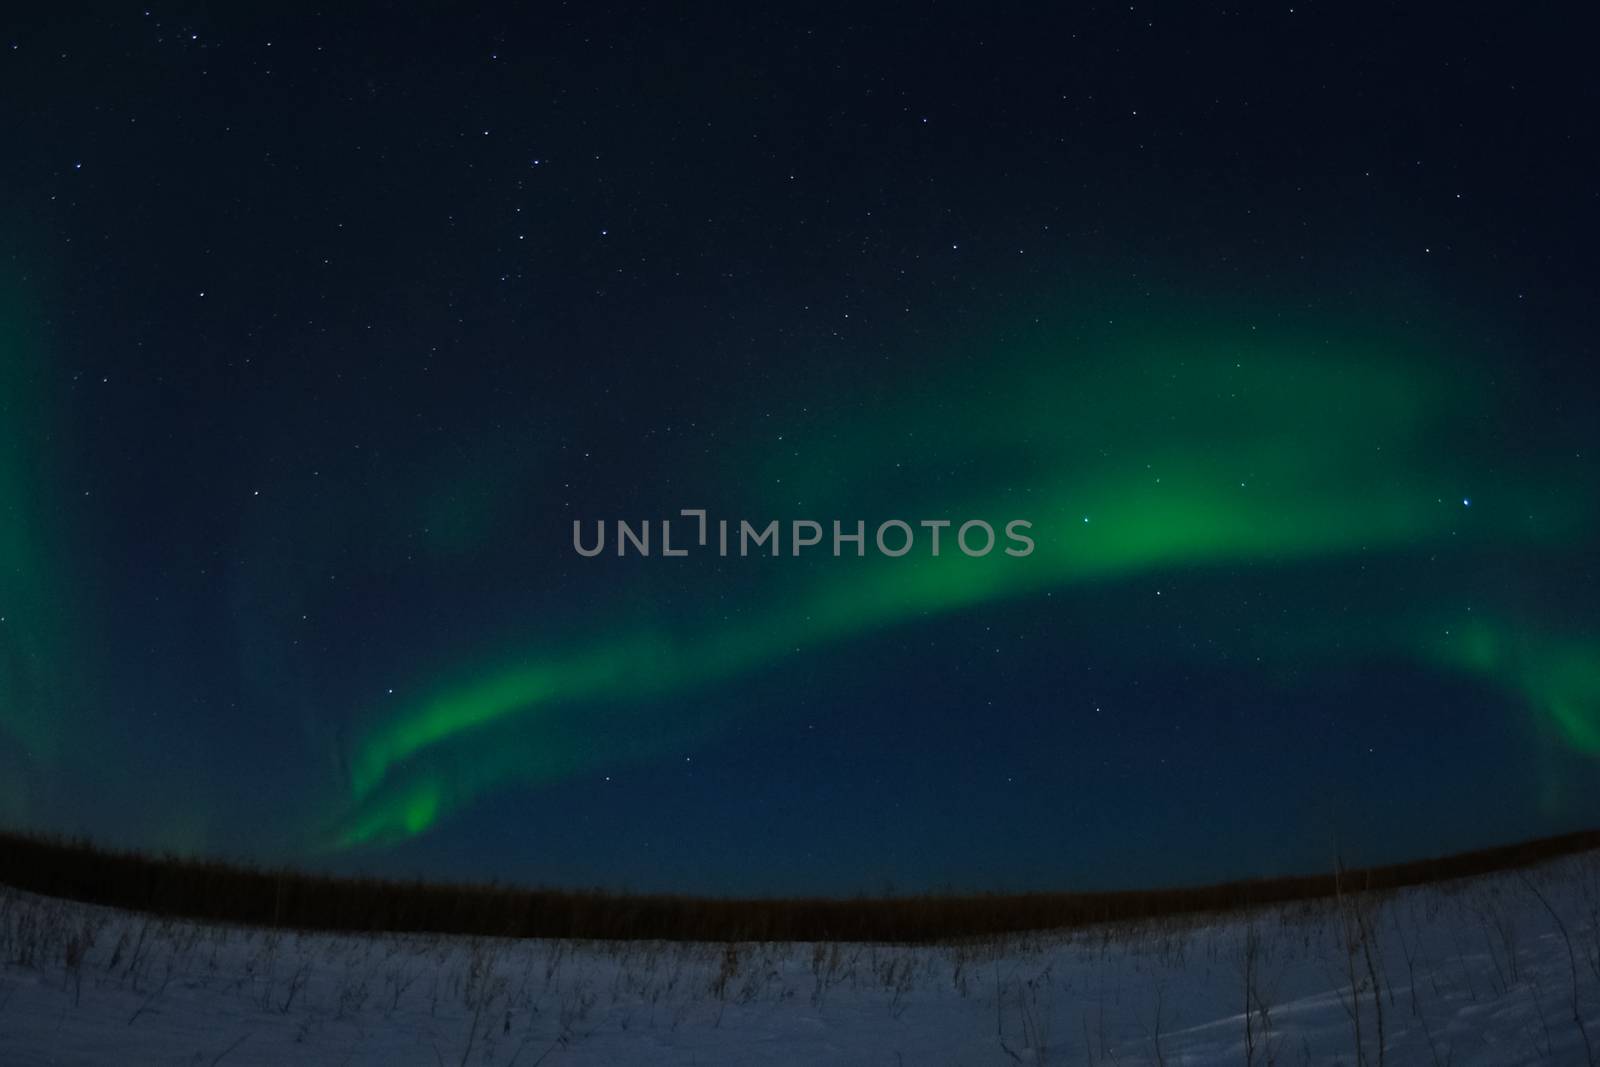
(1493, 968)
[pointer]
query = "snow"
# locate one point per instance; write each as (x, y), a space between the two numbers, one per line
(1473, 972)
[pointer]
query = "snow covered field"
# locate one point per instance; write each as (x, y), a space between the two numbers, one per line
(1497, 970)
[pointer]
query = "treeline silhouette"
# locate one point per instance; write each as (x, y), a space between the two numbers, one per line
(228, 892)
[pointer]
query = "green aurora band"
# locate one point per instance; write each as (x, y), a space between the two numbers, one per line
(1165, 453)
(40, 707)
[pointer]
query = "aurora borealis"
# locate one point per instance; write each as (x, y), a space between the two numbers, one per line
(1295, 386)
(1300, 472)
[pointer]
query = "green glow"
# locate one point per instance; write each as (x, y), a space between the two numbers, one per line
(1558, 675)
(1176, 453)
(36, 712)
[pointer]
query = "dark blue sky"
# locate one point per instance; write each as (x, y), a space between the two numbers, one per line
(320, 331)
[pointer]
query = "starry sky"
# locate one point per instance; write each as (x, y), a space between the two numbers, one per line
(319, 331)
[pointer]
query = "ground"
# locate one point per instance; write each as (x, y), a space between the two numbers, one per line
(1503, 969)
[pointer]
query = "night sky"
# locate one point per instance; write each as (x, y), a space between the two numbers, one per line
(318, 332)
